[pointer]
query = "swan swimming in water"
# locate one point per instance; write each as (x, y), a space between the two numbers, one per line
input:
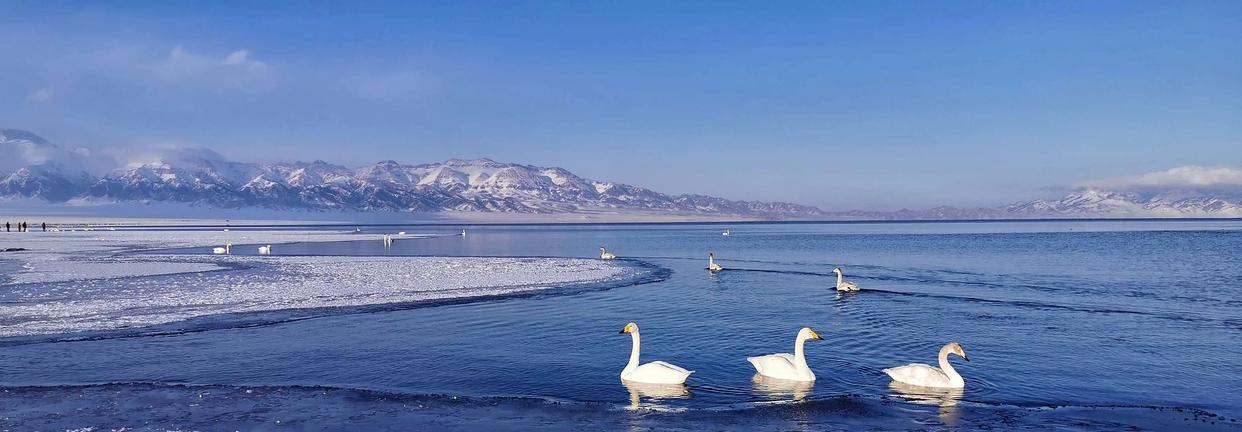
(726, 232)
(656, 372)
(842, 284)
(227, 249)
(711, 263)
(922, 375)
(463, 233)
(265, 250)
(604, 254)
(787, 366)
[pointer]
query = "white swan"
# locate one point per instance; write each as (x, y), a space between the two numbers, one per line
(604, 254)
(656, 372)
(726, 232)
(787, 366)
(922, 375)
(463, 233)
(711, 263)
(842, 284)
(401, 233)
(265, 250)
(227, 249)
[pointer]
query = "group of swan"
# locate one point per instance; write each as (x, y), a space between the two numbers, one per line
(793, 367)
(228, 249)
(842, 284)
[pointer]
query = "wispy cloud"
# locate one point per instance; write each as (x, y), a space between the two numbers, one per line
(398, 85)
(237, 67)
(41, 95)
(1184, 177)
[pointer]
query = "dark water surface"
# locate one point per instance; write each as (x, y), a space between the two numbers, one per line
(1068, 325)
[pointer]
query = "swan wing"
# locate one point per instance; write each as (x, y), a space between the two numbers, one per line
(847, 286)
(772, 363)
(670, 366)
(918, 374)
(658, 372)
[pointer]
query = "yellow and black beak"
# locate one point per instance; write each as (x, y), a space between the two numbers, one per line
(816, 336)
(625, 329)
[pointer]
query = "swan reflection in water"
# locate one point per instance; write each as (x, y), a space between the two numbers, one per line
(944, 398)
(782, 390)
(654, 393)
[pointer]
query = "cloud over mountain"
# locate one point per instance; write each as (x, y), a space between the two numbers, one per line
(1184, 177)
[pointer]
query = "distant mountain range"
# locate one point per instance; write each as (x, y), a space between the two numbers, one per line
(41, 170)
(478, 185)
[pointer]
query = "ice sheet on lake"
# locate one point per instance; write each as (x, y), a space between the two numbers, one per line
(75, 283)
(278, 283)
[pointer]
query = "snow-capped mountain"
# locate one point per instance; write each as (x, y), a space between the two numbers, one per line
(1094, 203)
(478, 185)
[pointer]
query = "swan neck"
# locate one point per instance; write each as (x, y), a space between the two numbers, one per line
(947, 368)
(800, 353)
(840, 279)
(633, 353)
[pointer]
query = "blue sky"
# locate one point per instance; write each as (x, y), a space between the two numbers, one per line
(838, 104)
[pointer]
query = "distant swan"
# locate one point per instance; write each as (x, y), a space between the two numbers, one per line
(726, 232)
(463, 233)
(227, 249)
(656, 372)
(842, 284)
(387, 240)
(922, 375)
(787, 366)
(711, 263)
(401, 233)
(265, 250)
(604, 254)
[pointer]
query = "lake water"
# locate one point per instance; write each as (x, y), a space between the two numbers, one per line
(1088, 325)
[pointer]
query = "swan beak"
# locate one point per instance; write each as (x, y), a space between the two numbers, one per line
(816, 336)
(964, 357)
(622, 331)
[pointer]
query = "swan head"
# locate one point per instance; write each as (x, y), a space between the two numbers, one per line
(711, 255)
(837, 270)
(601, 248)
(629, 328)
(956, 348)
(807, 333)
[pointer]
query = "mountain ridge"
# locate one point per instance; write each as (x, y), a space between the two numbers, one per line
(461, 185)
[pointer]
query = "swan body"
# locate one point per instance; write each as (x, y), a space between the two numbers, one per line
(463, 233)
(401, 233)
(656, 372)
(265, 250)
(605, 255)
(711, 263)
(842, 284)
(226, 249)
(726, 232)
(918, 374)
(787, 366)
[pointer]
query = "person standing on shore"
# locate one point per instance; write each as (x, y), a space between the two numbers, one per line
(6, 227)
(44, 226)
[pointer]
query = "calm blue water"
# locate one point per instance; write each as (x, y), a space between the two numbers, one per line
(1068, 324)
